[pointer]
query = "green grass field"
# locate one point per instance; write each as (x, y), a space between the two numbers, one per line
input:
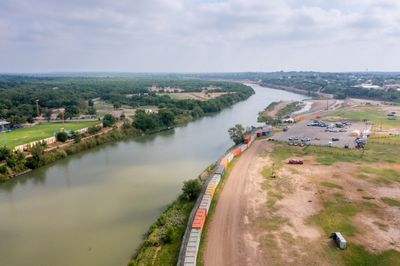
(377, 117)
(42, 131)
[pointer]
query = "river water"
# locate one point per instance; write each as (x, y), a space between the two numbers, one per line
(94, 207)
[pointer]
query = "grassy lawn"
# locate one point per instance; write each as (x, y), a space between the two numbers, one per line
(383, 175)
(45, 130)
(376, 117)
(331, 185)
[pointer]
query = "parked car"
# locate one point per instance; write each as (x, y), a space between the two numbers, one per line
(339, 240)
(335, 139)
(295, 161)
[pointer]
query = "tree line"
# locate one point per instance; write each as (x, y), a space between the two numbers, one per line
(18, 94)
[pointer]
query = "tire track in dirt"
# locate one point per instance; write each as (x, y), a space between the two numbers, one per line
(225, 243)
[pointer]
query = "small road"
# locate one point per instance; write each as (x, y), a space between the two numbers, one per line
(224, 245)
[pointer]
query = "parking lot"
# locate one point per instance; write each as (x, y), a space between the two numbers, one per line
(302, 133)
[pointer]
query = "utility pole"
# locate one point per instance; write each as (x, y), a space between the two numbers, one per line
(37, 108)
(62, 117)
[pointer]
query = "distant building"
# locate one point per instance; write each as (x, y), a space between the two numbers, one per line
(117, 113)
(3, 124)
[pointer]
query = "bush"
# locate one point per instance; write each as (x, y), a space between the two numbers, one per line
(32, 163)
(3, 169)
(76, 137)
(5, 153)
(10, 162)
(109, 120)
(191, 189)
(62, 136)
(93, 130)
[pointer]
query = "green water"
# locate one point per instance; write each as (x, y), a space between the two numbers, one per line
(93, 208)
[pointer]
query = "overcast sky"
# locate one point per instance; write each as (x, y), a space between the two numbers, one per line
(199, 35)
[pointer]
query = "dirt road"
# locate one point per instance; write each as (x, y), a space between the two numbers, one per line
(227, 240)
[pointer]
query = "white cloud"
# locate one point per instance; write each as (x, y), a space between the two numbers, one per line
(198, 35)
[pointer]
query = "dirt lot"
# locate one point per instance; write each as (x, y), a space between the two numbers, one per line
(260, 220)
(202, 96)
(302, 130)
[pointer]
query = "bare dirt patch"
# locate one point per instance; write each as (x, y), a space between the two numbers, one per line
(202, 96)
(262, 220)
(378, 234)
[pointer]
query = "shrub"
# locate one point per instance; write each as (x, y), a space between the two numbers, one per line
(10, 162)
(109, 120)
(3, 169)
(5, 153)
(62, 136)
(93, 130)
(76, 137)
(32, 163)
(191, 189)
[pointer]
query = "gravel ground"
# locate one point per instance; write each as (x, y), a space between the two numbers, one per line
(302, 130)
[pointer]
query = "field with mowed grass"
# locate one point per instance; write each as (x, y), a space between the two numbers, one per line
(38, 132)
(375, 116)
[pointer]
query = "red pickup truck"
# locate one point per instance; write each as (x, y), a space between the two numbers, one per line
(295, 161)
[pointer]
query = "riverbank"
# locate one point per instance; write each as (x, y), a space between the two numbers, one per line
(164, 245)
(103, 200)
(18, 163)
(163, 239)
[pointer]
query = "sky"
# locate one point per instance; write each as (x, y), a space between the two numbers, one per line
(199, 35)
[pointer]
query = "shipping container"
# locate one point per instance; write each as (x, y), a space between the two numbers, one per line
(224, 162)
(220, 170)
(211, 185)
(205, 203)
(265, 133)
(192, 247)
(199, 219)
(210, 191)
(229, 157)
(237, 152)
(243, 147)
(216, 179)
(217, 176)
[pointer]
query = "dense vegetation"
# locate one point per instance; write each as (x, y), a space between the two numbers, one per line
(12, 163)
(18, 94)
(18, 97)
(237, 134)
(265, 117)
(163, 240)
(341, 85)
